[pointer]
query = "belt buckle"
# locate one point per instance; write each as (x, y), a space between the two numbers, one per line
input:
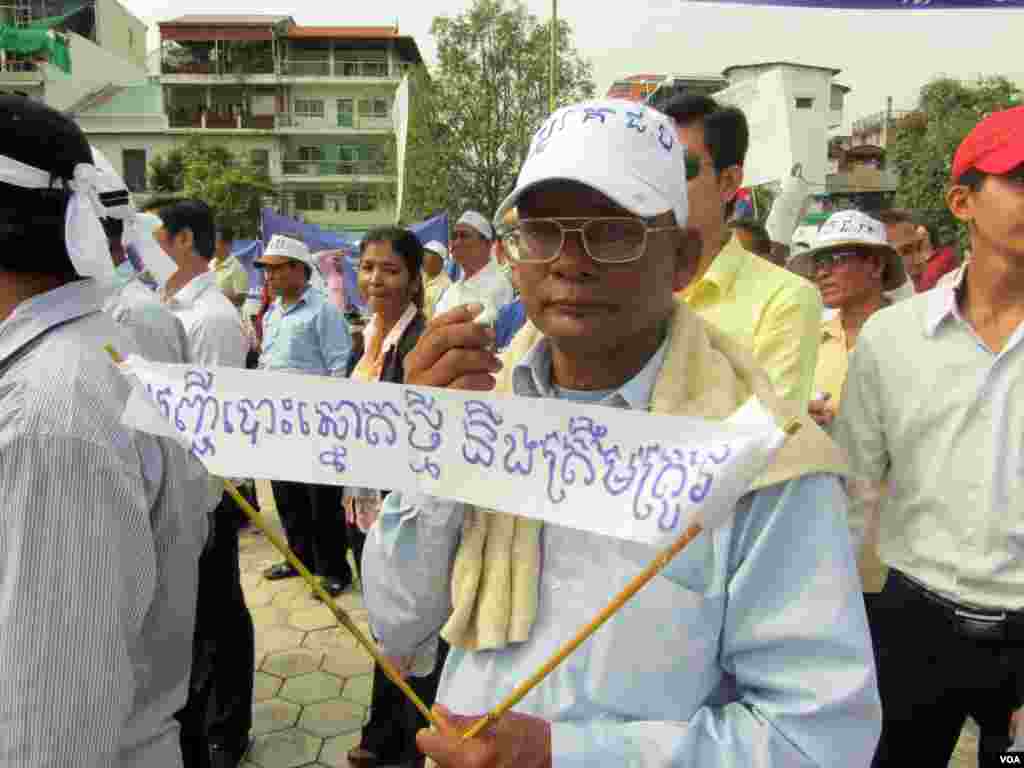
(980, 626)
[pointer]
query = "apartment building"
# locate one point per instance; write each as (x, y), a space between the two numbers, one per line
(107, 45)
(310, 105)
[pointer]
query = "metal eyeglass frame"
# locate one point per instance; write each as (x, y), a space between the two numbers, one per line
(640, 251)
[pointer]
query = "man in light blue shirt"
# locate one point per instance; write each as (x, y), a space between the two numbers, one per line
(305, 333)
(751, 647)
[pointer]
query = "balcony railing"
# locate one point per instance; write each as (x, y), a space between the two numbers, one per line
(18, 66)
(223, 69)
(306, 68)
(331, 168)
(218, 121)
(351, 68)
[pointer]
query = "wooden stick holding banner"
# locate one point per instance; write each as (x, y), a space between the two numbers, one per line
(634, 586)
(339, 613)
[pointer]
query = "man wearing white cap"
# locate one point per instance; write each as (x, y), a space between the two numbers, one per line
(752, 648)
(305, 333)
(435, 281)
(482, 279)
(101, 526)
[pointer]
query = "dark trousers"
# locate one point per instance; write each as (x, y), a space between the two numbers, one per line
(315, 526)
(391, 730)
(219, 707)
(933, 673)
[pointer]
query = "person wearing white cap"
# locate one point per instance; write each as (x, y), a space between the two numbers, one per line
(481, 279)
(435, 281)
(101, 526)
(303, 332)
(752, 648)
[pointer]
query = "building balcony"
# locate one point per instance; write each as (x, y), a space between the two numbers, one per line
(318, 169)
(335, 68)
(213, 121)
(21, 72)
(344, 122)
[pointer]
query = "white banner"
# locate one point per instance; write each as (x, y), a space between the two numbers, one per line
(628, 474)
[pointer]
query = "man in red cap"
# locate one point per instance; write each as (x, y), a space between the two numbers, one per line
(951, 528)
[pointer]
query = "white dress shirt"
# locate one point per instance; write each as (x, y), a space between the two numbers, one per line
(490, 284)
(928, 407)
(100, 533)
(213, 328)
(159, 334)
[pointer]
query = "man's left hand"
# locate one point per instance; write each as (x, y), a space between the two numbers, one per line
(514, 741)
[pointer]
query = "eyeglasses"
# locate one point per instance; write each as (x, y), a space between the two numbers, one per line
(606, 240)
(511, 242)
(832, 259)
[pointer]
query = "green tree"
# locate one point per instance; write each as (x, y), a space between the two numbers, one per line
(926, 141)
(234, 189)
(472, 118)
(167, 172)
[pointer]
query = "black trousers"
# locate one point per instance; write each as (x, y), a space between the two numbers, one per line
(932, 674)
(391, 730)
(219, 706)
(315, 526)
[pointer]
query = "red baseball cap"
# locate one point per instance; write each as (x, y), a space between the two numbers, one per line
(995, 146)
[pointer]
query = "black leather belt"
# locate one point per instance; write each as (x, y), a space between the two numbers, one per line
(971, 623)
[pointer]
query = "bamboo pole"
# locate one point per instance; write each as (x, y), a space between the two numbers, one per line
(339, 613)
(553, 85)
(634, 586)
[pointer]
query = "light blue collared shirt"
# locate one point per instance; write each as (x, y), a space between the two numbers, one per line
(751, 647)
(311, 336)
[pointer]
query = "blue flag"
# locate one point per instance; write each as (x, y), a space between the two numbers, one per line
(880, 5)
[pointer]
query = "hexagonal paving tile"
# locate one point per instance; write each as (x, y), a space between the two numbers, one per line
(317, 617)
(300, 661)
(358, 689)
(274, 715)
(337, 639)
(278, 639)
(335, 751)
(332, 718)
(311, 688)
(287, 749)
(264, 616)
(347, 663)
(265, 686)
(258, 597)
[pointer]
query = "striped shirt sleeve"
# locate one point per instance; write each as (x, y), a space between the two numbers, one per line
(77, 574)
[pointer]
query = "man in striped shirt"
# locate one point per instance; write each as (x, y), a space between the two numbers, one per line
(100, 526)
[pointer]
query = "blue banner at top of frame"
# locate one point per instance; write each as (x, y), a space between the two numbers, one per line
(880, 5)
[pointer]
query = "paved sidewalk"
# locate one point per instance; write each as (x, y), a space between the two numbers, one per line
(313, 682)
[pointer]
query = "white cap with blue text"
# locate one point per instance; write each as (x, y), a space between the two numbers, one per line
(288, 248)
(624, 150)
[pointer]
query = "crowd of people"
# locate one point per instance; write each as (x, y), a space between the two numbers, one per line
(865, 597)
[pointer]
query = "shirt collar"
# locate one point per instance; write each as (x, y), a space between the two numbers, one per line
(33, 317)
(305, 298)
(724, 267)
(193, 290)
(942, 302)
(531, 377)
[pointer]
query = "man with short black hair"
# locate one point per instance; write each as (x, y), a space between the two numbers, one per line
(932, 408)
(220, 704)
(100, 526)
(771, 311)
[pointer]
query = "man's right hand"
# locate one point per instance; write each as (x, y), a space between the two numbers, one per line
(454, 352)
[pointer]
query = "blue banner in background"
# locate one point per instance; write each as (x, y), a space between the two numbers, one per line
(879, 5)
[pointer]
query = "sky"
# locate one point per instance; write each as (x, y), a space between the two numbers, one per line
(880, 53)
